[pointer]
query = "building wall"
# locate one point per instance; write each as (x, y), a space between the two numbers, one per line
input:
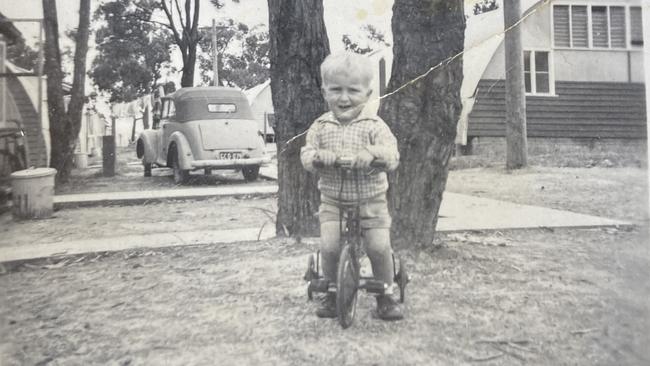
(580, 110)
(571, 64)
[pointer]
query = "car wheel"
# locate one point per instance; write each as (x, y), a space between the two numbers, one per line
(181, 176)
(251, 172)
(207, 171)
(147, 169)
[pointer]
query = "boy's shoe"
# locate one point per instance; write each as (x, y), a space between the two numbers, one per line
(327, 307)
(388, 309)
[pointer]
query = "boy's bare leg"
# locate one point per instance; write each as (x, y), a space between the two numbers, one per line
(329, 249)
(329, 253)
(379, 251)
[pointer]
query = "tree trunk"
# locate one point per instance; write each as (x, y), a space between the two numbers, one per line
(423, 115)
(64, 126)
(56, 107)
(516, 139)
(299, 44)
(189, 63)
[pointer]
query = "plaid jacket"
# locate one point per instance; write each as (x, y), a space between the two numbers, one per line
(368, 132)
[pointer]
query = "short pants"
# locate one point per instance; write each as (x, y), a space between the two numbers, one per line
(373, 211)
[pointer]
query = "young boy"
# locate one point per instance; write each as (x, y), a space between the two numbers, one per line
(351, 131)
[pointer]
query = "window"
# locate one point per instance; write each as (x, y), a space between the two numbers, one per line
(636, 27)
(617, 27)
(172, 109)
(579, 26)
(169, 109)
(222, 108)
(597, 26)
(537, 75)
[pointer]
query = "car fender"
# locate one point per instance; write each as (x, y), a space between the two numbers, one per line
(185, 156)
(146, 146)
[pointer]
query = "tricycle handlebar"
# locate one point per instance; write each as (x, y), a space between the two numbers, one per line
(346, 163)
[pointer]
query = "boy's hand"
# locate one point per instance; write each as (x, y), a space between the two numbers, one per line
(326, 157)
(363, 160)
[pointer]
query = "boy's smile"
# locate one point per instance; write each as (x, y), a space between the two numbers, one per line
(346, 95)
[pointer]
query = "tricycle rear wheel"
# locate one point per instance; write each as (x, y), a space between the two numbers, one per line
(251, 172)
(401, 278)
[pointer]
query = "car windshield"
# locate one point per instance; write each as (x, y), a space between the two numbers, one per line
(222, 108)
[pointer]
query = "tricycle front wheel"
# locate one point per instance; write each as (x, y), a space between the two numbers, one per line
(347, 287)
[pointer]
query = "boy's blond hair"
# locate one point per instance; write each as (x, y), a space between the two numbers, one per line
(346, 62)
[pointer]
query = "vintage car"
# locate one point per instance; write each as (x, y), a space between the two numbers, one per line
(203, 128)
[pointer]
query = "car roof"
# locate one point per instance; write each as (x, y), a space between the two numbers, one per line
(203, 92)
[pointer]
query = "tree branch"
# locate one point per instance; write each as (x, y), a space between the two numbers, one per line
(172, 26)
(188, 9)
(195, 25)
(145, 20)
(180, 15)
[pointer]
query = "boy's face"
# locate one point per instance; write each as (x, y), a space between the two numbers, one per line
(346, 95)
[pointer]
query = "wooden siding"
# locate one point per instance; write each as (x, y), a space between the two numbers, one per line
(31, 124)
(580, 110)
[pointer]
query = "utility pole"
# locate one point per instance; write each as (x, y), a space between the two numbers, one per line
(645, 11)
(516, 138)
(215, 55)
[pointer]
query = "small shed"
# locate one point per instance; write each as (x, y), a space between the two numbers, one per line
(261, 102)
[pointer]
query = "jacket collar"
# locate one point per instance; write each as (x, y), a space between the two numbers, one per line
(366, 114)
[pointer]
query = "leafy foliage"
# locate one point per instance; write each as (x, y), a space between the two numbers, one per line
(484, 6)
(243, 54)
(372, 34)
(21, 55)
(132, 50)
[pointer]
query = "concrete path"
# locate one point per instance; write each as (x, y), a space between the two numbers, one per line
(458, 213)
(117, 243)
(138, 197)
(461, 212)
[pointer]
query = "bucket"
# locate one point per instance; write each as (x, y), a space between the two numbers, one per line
(32, 193)
(81, 160)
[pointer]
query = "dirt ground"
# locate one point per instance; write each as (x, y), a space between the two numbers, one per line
(539, 297)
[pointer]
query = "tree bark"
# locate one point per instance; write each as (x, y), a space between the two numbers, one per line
(516, 139)
(187, 79)
(56, 107)
(299, 44)
(423, 115)
(64, 126)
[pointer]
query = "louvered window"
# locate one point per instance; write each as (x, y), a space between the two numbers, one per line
(561, 26)
(599, 26)
(579, 26)
(636, 26)
(617, 26)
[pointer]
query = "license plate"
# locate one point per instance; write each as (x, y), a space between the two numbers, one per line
(229, 155)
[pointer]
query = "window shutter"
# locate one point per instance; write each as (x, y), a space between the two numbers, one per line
(636, 26)
(579, 28)
(617, 26)
(561, 25)
(599, 26)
